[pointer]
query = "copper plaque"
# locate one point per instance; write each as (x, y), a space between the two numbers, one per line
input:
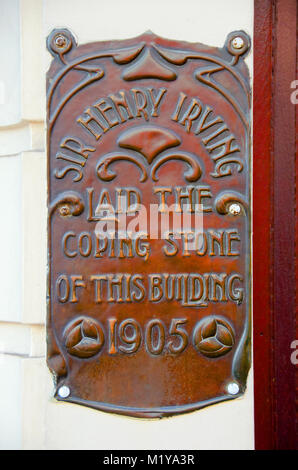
(149, 226)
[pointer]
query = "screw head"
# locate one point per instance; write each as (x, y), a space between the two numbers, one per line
(237, 42)
(64, 391)
(60, 40)
(235, 209)
(233, 388)
(64, 210)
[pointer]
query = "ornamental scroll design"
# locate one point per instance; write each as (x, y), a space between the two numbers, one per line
(224, 200)
(69, 203)
(205, 73)
(150, 144)
(153, 58)
(59, 43)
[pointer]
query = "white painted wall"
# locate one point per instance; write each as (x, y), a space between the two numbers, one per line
(10, 60)
(29, 417)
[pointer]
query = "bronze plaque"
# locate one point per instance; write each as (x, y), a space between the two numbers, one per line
(149, 226)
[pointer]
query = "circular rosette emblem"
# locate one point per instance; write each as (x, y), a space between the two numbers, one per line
(214, 337)
(84, 337)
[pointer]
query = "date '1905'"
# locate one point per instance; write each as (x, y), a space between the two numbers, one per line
(212, 336)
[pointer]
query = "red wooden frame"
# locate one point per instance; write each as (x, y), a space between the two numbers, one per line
(274, 178)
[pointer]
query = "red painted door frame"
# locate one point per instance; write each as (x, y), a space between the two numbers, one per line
(274, 222)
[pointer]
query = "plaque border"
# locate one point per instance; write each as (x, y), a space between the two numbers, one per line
(74, 205)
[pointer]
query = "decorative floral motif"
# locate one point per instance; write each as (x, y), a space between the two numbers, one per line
(214, 337)
(150, 142)
(83, 337)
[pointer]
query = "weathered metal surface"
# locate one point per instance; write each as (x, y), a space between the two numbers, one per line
(152, 324)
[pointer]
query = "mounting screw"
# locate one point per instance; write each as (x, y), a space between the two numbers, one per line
(234, 209)
(237, 42)
(60, 40)
(64, 391)
(64, 211)
(233, 388)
